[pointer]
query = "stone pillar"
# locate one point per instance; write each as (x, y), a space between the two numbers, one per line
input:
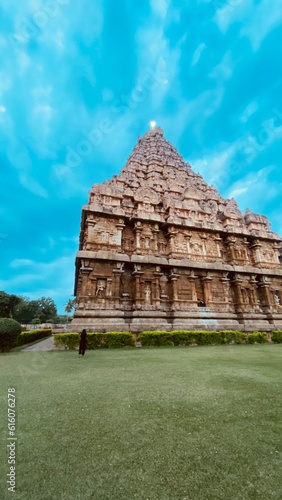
(236, 283)
(174, 278)
(256, 246)
(207, 289)
(89, 233)
(157, 291)
(226, 287)
(137, 273)
(192, 279)
(204, 250)
(171, 237)
(246, 245)
(163, 283)
(85, 271)
(255, 298)
(138, 231)
(230, 244)
(218, 242)
(276, 249)
(155, 231)
(117, 272)
(266, 298)
(120, 225)
(109, 288)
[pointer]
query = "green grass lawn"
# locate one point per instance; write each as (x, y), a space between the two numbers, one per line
(160, 424)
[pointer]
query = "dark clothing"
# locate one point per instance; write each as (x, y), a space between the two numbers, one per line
(83, 342)
(82, 350)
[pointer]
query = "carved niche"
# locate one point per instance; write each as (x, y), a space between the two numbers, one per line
(195, 247)
(103, 233)
(147, 199)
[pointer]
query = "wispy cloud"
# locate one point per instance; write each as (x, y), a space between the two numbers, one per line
(265, 17)
(251, 189)
(197, 54)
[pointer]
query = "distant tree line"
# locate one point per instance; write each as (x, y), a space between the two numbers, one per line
(24, 310)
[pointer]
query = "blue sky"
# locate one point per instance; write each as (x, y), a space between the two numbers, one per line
(208, 72)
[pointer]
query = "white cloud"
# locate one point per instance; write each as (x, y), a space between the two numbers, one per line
(215, 167)
(234, 10)
(157, 60)
(252, 189)
(2, 109)
(44, 110)
(248, 111)
(266, 15)
(197, 54)
(5, 83)
(236, 192)
(16, 263)
(257, 18)
(194, 112)
(32, 185)
(160, 7)
(35, 285)
(73, 239)
(223, 71)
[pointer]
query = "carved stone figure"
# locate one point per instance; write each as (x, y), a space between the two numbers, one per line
(148, 293)
(100, 288)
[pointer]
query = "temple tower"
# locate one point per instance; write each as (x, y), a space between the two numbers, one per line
(161, 249)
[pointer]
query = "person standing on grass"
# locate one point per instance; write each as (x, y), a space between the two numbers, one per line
(82, 343)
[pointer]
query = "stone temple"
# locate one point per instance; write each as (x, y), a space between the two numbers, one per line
(161, 249)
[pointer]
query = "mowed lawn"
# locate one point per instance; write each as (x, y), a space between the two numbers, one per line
(190, 423)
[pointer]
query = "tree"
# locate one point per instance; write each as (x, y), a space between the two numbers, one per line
(62, 319)
(35, 321)
(70, 305)
(8, 304)
(26, 310)
(44, 309)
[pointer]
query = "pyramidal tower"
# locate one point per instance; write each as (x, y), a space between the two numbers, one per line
(161, 249)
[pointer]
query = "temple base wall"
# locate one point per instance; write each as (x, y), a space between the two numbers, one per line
(137, 321)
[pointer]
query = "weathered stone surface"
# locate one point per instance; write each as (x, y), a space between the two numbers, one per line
(159, 248)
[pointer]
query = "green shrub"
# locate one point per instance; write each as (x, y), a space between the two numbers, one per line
(95, 340)
(120, 339)
(233, 337)
(36, 321)
(9, 333)
(277, 336)
(156, 338)
(32, 335)
(190, 337)
(257, 338)
(68, 340)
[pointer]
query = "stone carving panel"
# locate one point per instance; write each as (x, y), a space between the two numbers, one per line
(102, 234)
